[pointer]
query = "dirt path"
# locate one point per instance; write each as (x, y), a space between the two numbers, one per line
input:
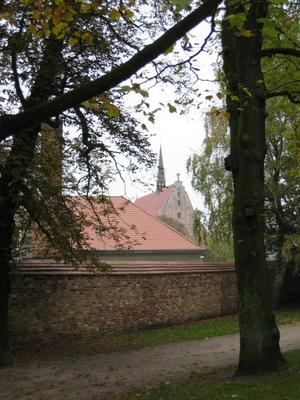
(94, 377)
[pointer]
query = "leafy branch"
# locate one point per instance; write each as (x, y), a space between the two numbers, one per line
(10, 124)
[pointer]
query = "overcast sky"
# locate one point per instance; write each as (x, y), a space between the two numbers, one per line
(179, 135)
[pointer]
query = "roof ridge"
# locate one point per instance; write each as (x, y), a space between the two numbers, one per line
(167, 225)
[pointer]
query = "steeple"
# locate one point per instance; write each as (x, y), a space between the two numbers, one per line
(161, 180)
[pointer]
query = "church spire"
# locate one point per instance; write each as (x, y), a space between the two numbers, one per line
(161, 180)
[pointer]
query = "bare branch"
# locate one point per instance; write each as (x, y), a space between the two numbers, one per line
(16, 79)
(287, 51)
(117, 35)
(188, 60)
(294, 97)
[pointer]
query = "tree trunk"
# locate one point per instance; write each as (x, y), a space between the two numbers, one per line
(281, 267)
(11, 180)
(5, 248)
(259, 336)
(13, 175)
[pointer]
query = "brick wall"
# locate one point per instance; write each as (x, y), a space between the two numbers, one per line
(47, 305)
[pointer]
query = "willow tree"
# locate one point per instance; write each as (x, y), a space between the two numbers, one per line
(215, 184)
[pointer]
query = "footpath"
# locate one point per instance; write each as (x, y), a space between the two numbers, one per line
(94, 377)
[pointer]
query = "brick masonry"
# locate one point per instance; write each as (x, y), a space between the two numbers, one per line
(47, 306)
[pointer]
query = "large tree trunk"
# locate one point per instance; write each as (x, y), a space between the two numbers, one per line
(13, 176)
(6, 225)
(259, 336)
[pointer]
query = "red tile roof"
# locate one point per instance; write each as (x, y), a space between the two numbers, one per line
(139, 230)
(154, 202)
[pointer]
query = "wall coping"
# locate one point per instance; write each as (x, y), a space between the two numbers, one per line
(50, 267)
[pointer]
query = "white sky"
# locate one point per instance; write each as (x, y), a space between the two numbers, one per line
(179, 135)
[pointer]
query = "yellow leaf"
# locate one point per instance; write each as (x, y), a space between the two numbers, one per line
(113, 111)
(115, 14)
(73, 41)
(87, 37)
(45, 29)
(85, 8)
(31, 29)
(60, 30)
(36, 15)
(129, 14)
(247, 33)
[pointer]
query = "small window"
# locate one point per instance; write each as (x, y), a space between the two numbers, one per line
(179, 215)
(178, 202)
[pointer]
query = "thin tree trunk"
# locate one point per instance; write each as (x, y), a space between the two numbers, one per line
(280, 271)
(259, 336)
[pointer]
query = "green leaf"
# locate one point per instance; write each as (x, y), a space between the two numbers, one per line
(247, 91)
(73, 41)
(172, 109)
(237, 20)
(247, 33)
(113, 111)
(270, 31)
(169, 50)
(181, 4)
(137, 89)
(125, 89)
(59, 30)
(151, 119)
(144, 93)
(129, 14)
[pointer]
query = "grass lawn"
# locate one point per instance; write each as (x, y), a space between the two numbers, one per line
(220, 385)
(197, 330)
(194, 331)
(150, 337)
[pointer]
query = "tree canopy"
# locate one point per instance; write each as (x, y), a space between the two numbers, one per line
(64, 59)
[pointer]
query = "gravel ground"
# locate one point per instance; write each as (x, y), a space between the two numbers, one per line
(94, 377)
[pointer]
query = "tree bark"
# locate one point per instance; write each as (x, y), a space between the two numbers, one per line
(259, 336)
(6, 222)
(13, 174)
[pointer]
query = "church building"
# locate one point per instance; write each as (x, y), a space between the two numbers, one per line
(170, 203)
